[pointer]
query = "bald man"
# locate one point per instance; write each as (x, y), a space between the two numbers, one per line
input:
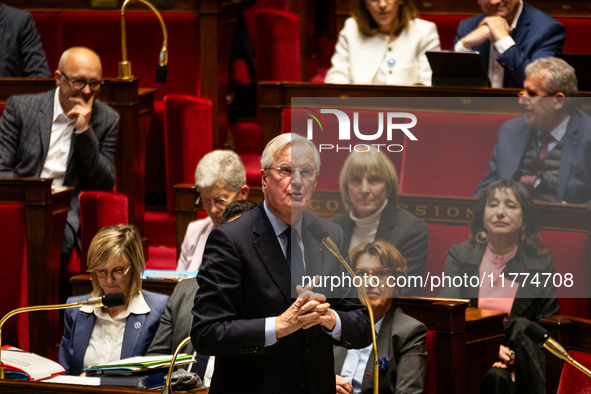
(66, 134)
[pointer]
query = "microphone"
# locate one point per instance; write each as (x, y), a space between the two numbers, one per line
(124, 64)
(321, 235)
(540, 336)
(108, 301)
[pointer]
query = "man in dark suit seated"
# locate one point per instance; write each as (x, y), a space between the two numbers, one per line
(21, 54)
(244, 313)
(65, 134)
(519, 34)
(549, 149)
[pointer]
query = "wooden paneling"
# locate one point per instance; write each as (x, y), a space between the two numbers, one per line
(46, 213)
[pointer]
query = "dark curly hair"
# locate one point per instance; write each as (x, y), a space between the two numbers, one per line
(529, 211)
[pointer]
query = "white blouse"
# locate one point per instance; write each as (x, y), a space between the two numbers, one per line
(361, 59)
(106, 339)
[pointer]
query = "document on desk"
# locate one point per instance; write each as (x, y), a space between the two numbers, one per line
(68, 379)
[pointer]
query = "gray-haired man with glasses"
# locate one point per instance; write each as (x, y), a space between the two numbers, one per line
(548, 149)
(65, 134)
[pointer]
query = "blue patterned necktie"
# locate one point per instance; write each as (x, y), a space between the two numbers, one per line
(295, 262)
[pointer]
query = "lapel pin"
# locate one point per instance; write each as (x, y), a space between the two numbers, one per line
(137, 325)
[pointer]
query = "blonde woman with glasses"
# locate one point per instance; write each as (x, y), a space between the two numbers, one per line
(96, 335)
(384, 43)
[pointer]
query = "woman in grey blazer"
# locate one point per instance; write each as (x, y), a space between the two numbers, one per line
(400, 338)
(369, 189)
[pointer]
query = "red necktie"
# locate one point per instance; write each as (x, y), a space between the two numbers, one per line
(545, 137)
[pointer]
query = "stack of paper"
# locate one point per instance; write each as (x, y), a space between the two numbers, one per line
(138, 365)
(23, 365)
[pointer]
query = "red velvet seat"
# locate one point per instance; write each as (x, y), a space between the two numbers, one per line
(275, 36)
(47, 27)
(13, 281)
(451, 155)
(570, 255)
(441, 238)
(447, 27)
(187, 138)
(577, 33)
(573, 381)
(98, 210)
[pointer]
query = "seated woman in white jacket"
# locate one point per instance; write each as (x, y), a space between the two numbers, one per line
(384, 43)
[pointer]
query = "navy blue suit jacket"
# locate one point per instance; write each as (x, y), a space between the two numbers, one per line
(244, 278)
(536, 35)
(21, 54)
(139, 332)
(574, 177)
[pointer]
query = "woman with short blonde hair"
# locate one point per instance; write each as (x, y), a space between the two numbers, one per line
(369, 189)
(96, 335)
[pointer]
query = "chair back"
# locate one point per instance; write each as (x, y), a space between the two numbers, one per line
(187, 138)
(573, 381)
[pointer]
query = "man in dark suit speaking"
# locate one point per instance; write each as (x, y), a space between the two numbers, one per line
(509, 35)
(65, 134)
(244, 314)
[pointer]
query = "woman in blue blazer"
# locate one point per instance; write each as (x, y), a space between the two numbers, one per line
(96, 335)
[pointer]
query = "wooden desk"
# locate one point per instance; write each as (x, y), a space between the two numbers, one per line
(135, 108)
(45, 214)
(464, 336)
(18, 387)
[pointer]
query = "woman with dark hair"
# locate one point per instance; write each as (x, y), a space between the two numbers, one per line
(384, 43)
(400, 338)
(369, 189)
(504, 238)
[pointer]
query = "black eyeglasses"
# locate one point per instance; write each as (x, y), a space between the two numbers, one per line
(80, 84)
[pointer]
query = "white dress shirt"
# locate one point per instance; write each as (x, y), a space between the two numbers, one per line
(62, 130)
(356, 361)
(106, 339)
(496, 72)
(279, 227)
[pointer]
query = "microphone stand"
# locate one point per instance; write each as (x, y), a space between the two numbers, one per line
(96, 302)
(334, 250)
(166, 389)
(124, 64)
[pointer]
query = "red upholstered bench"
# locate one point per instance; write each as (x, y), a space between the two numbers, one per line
(573, 381)
(451, 155)
(47, 26)
(441, 238)
(570, 255)
(447, 27)
(577, 34)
